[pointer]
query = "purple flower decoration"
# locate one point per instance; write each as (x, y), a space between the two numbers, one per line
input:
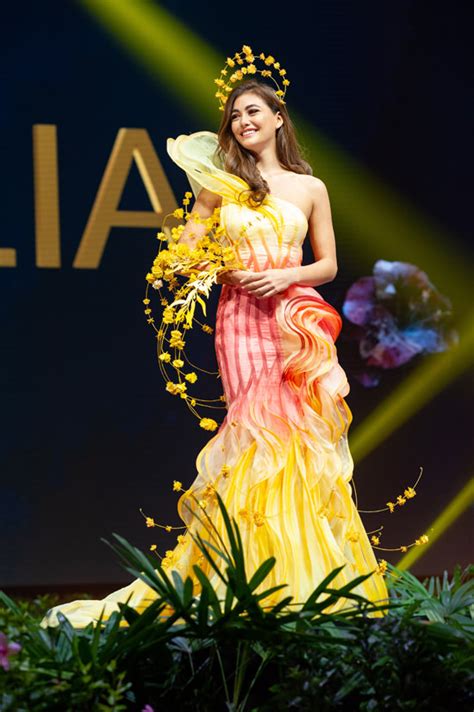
(7, 649)
(148, 708)
(398, 313)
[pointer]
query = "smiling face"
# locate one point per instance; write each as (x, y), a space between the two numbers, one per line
(253, 123)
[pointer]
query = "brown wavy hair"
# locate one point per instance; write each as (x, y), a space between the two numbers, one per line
(241, 161)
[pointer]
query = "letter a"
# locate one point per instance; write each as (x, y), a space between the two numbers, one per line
(131, 144)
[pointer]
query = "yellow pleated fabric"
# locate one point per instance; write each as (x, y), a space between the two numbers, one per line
(280, 460)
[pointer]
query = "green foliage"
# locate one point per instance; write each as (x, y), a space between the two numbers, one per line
(242, 653)
(440, 601)
(63, 670)
(391, 664)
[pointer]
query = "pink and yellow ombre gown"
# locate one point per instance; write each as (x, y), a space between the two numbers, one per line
(280, 460)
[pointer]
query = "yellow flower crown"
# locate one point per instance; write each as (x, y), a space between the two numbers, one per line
(245, 60)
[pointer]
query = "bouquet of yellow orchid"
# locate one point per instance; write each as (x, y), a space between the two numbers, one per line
(199, 263)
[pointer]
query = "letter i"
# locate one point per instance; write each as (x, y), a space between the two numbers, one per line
(45, 167)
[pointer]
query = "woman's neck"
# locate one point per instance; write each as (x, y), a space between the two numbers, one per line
(268, 163)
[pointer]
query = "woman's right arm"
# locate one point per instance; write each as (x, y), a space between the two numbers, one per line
(232, 277)
(204, 206)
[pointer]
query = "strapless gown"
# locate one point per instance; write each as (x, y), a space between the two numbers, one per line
(280, 460)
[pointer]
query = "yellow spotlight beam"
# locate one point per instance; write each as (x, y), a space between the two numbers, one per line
(381, 223)
(417, 389)
(166, 48)
(441, 524)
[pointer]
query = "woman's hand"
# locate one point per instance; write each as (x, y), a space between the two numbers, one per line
(233, 277)
(268, 282)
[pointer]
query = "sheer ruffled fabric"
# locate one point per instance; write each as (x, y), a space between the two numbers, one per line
(280, 460)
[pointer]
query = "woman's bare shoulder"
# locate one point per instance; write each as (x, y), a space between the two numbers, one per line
(316, 188)
(313, 182)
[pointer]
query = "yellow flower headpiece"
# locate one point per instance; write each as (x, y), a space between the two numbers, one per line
(245, 61)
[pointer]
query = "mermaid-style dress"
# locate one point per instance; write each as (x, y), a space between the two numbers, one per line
(280, 460)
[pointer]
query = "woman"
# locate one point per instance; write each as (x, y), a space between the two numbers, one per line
(280, 460)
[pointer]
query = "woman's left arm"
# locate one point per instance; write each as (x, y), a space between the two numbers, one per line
(323, 243)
